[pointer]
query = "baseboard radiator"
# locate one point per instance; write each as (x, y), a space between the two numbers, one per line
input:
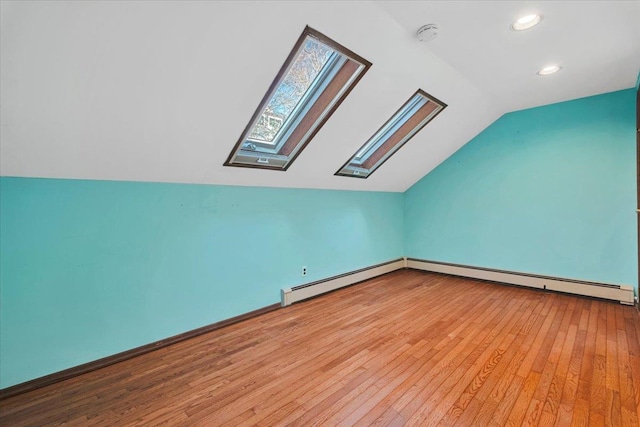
(309, 290)
(622, 293)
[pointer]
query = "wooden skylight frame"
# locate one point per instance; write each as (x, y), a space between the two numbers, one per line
(311, 112)
(403, 125)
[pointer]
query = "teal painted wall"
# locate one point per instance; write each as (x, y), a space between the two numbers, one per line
(549, 190)
(93, 268)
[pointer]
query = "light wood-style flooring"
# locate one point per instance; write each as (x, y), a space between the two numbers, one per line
(407, 348)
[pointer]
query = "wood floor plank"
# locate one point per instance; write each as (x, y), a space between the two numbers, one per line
(466, 375)
(533, 366)
(554, 396)
(598, 398)
(572, 377)
(580, 414)
(634, 362)
(446, 371)
(461, 411)
(611, 369)
(546, 398)
(627, 391)
(524, 400)
(503, 394)
(406, 348)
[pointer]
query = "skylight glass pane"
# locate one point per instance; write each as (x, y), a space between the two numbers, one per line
(419, 110)
(313, 57)
(392, 126)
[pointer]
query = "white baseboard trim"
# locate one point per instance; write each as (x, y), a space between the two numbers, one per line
(621, 293)
(309, 290)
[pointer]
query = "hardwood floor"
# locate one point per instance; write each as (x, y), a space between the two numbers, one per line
(408, 348)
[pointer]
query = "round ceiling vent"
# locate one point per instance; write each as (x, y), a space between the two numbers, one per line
(427, 32)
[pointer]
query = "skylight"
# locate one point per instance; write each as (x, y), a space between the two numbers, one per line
(419, 110)
(317, 76)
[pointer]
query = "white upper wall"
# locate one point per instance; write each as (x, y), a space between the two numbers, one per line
(161, 91)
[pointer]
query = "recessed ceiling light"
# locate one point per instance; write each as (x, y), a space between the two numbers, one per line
(526, 22)
(549, 69)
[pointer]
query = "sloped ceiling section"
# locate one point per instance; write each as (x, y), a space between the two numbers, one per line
(161, 91)
(596, 42)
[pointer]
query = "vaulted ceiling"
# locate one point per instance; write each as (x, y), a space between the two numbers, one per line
(161, 91)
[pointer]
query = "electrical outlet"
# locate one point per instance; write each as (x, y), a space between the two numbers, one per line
(304, 270)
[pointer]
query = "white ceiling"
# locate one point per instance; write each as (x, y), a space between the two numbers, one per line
(596, 42)
(160, 91)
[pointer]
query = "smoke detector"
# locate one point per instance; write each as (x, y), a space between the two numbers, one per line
(427, 32)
